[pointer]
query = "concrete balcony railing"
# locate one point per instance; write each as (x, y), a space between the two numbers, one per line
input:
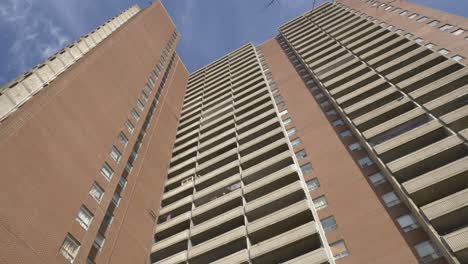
(364, 95)
(261, 141)
(211, 178)
(264, 153)
(458, 243)
(387, 125)
(217, 150)
(217, 190)
(161, 245)
(180, 257)
(266, 167)
(376, 116)
(355, 108)
(270, 183)
(177, 205)
(240, 257)
(177, 194)
(217, 207)
(340, 78)
(386, 50)
(218, 220)
(318, 256)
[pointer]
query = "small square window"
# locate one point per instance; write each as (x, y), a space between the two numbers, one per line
(275, 91)
(331, 112)
(320, 202)
(389, 7)
(434, 23)
(355, 146)
(296, 142)
(122, 139)
(404, 13)
(70, 248)
(443, 51)
(107, 171)
(346, 134)
(328, 223)
(418, 40)
(413, 16)
(284, 112)
(407, 222)
(399, 31)
(84, 217)
(306, 168)
(427, 252)
(115, 154)
(422, 19)
(365, 162)
(446, 27)
(391, 199)
(96, 192)
(390, 27)
(313, 184)
(116, 199)
(291, 131)
(325, 104)
(338, 122)
(457, 58)
(147, 88)
(430, 45)
(99, 241)
(130, 126)
(287, 121)
(339, 249)
(140, 105)
(396, 10)
(458, 32)
(302, 154)
(281, 105)
(320, 95)
(144, 96)
(377, 179)
(408, 35)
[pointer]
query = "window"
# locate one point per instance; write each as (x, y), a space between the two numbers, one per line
(396, 10)
(382, 24)
(296, 142)
(457, 58)
(404, 13)
(426, 251)
(147, 88)
(284, 112)
(115, 154)
(399, 31)
(408, 35)
(313, 184)
(301, 154)
(325, 104)
(320, 202)
(418, 40)
(278, 97)
(281, 105)
(122, 139)
(338, 122)
(430, 45)
(275, 91)
(390, 27)
(287, 121)
(389, 7)
(96, 192)
(434, 23)
(107, 171)
(458, 32)
(144, 96)
(346, 134)
(291, 131)
(365, 162)
(443, 51)
(140, 105)
(377, 179)
(413, 16)
(70, 248)
(328, 223)
(330, 112)
(306, 168)
(339, 249)
(99, 241)
(422, 19)
(84, 217)
(391, 199)
(135, 114)
(446, 27)
(407, 222)
(130, 126)
(116, 199)
(355, 146)
(320, 95)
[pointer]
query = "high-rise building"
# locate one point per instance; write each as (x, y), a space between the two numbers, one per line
(341, 140)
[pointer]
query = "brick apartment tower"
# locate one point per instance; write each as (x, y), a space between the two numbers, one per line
(341, 140)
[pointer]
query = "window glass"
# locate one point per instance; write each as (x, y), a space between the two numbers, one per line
(404, 13)
(287, 121)
(313, 184)
(426, 251)
(338, 122)
(115, 154)
(446, 27)
(443, 51)
(107, 171)
(391, 199)
(140, 105)
(328, 223)
(96, 192)
(458, 32)
(70, 248)
(99, 241)
(407, 222)
(331, 112)
(324, 104)
(339, 249)
(291, 131)
(377, 179)
(130, 126)
(147, 88)
(84, 217)
(301, 154)
(346, 134)
(122, 139)
(430, 45)
(355, 146)
(284, 112)
(135, 114)
(408, 35)
(418, 40)
(434, 23)
(320, 95)
(422, 19)
(412, 16)
(365, 162)
(457, 58)
(281, 105)
(296, 142)
(306, 168)
(320, 202)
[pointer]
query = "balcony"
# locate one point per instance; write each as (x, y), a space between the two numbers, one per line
(458, 243)
(267, 167)
(217, 190)
(216, 176)
(217, 207)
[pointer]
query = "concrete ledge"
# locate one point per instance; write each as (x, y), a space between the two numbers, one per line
(180, 257)
(446, 205)
(318, 256)
(217, 241)
(458, 240)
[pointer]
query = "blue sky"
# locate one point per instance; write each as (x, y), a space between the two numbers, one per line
(32, 30)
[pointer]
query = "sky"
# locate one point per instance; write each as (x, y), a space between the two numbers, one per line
(32, 30)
